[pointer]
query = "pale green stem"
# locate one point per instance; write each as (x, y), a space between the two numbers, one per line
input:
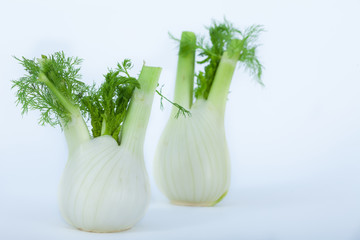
(137, 118)
(76, 131)
(185, 71)
(224, 74)
(65, 102)
(103, 128)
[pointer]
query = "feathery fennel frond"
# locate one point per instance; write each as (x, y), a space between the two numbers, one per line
(106, 105)
(220, 41)
(248, 54)
(34, 94)
(181, 110)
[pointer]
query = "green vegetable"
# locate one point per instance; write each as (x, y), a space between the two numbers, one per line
(192, 163)
(104, 187)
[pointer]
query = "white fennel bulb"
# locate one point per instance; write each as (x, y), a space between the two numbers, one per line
(192, 165)
(104, 187)
(192, 162)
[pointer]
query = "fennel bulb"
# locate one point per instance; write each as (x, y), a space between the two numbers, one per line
(104, 187)
(194, 169)
(192, 162)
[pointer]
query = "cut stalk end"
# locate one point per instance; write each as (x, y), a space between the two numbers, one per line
(185, 71)
(137, 118)
(224, 74)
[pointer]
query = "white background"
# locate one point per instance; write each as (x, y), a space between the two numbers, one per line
(294, 144)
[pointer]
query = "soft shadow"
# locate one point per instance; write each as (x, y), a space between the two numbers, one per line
(164, 216)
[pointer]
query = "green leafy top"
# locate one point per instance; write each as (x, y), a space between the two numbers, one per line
(45, 75)
(222, 36)
(52, 85)
(106, 106)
